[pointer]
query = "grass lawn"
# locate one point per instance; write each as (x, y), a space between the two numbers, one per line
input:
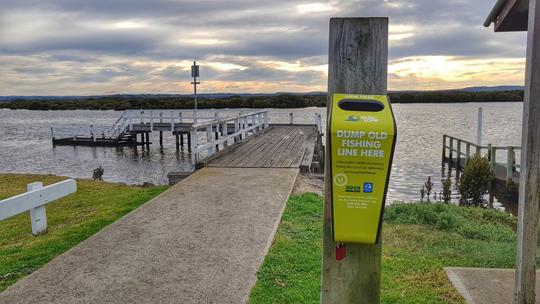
(418, 241)
(70, 221)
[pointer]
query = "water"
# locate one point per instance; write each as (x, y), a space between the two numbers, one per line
(27, 148)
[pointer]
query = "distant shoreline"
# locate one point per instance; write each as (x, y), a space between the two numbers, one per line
(126, 102)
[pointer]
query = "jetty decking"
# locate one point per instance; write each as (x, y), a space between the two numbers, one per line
(280, 146)
(457, 152)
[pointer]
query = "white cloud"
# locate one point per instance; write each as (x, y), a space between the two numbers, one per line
(101, 46)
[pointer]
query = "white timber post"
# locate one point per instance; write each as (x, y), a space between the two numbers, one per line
(38, 216)
(225, 131)
(151, 120)
(210, 139)
(194, 148)
(172, 121)
(479, 123)
(529, 194)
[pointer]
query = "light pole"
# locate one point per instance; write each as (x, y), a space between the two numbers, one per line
(195, 74)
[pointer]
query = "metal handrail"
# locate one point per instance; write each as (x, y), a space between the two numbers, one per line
(242, 128)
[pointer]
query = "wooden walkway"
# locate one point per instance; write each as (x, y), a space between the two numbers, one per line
(280, 146)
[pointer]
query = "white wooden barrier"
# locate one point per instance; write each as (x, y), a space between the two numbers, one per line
(243, 125)
(34, 200)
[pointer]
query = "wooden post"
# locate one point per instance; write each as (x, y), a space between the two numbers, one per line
(291, 118)
(443, 148)
(177, 141)
(509, 165)
(493, 157)
(161, 138)
(451, 151)
(467, 152)
(458, 153)
(358, 63)
(38, 216)
(529, 196)
(479, 123)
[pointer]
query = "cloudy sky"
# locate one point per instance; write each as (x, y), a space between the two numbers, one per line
(89, 47)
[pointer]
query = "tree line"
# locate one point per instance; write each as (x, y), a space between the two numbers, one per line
(123, 102)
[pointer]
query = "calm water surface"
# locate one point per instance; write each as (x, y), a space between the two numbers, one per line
(27, 148)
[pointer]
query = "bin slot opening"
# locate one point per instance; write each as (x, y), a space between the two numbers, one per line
(361, 105)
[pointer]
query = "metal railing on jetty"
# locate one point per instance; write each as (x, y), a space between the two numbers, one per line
(243, 125)
(457, 152)
(131, 119)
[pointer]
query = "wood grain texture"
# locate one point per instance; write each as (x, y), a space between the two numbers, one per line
(358, 63)
(529, 187)
(277, 147)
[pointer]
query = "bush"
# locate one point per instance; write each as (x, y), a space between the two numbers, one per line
(476, 180)
(447, 190)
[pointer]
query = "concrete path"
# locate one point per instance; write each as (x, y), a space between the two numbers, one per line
(486, 286)
(202, 241)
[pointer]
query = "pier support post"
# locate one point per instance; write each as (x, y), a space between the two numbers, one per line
(458, 152)
(451, 152)
(493, 157)
(161, 139)
(189, 141)
(467, 153)
(443, 148)
(509, 165)
(177, 141)
(358, 64)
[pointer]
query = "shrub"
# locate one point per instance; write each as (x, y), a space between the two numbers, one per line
(476, 180)
(447, 190)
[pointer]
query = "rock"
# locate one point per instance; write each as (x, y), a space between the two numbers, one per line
(148, 185)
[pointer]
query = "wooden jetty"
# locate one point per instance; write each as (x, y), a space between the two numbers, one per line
(457, 152)
(227, 138)
(279, 146)
(134, 123)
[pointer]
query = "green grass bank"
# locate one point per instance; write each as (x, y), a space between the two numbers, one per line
(418, 241)
(71, 220)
